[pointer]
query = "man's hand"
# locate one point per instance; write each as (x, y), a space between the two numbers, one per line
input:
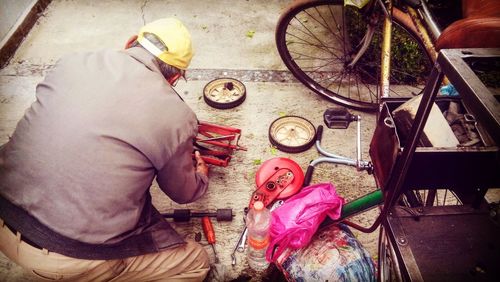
(201, 166)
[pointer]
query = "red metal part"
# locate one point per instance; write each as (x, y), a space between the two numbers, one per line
(217, 158)
(216, 143)
(277, 178)
(219, 135)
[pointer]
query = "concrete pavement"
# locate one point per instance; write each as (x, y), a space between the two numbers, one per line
(231, 38)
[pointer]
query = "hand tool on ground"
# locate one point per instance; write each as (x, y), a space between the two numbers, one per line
(181, 215)
(208, 229)
(240, 245)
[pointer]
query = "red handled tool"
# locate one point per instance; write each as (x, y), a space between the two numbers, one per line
(208, 229)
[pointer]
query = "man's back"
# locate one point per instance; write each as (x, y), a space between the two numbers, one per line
(85, 154)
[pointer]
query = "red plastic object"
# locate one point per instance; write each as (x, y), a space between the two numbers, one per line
(277, 178)
(217, 143)
(208, 229)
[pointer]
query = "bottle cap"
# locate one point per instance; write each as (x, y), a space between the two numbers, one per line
(258, 205)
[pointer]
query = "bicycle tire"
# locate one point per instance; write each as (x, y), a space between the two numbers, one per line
(216, 95)
(388, 264)
(292, 134)
(319, 61)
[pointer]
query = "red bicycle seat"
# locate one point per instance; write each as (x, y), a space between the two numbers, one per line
(480, 27)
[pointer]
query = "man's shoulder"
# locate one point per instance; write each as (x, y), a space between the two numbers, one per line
(86, 55)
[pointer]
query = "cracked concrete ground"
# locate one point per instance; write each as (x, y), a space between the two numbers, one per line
(219, 31)
(223, 49)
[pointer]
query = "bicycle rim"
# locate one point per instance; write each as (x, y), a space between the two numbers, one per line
(388, 265)
(317, 39)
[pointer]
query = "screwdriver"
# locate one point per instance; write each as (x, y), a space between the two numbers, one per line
(208, 229)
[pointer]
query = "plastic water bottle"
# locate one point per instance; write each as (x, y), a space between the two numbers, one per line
(258, 221)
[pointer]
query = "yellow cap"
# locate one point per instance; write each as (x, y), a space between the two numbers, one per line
(174, 36)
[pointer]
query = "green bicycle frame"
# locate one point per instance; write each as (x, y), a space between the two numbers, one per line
(362, 204)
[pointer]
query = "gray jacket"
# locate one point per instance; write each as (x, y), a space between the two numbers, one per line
(82, 159)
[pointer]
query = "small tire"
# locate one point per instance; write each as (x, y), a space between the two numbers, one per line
(224, 93)
(292, 134)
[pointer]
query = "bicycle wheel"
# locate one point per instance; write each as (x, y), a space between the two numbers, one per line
(317, 40)
(430, 197)
(224, 93)
(388, 265)
(292, 134)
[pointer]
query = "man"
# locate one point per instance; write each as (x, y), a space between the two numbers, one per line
(75, 176)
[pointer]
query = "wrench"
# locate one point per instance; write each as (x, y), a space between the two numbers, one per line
(240, 245)
(243, 239)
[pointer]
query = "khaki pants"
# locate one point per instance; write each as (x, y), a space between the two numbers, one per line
(187, 263)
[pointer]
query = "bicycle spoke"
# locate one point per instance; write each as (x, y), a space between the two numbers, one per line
(368, 87)
(349, 88)
(315, 37)
(317, 68)
(320, 46)
(342, 36)
(338, 86)
(396, 73)
(309, 57)
(317, 41)
(359, 90)
(373, 95)
(345, 41)
(326, 26)
(330, 78)
(308, 51)
(306, 43)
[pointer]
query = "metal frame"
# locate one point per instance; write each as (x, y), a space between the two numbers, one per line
(222, 141)
(477, 99)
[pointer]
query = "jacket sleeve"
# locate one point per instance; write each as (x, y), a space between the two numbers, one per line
(178, 178)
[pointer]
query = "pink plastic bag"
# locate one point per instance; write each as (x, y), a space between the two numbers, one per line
(295, 222)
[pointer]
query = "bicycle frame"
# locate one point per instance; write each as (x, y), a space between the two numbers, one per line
(423, 24)
(370, 200)
(418, 17)
(385, 64)
(421, 29)
(417, 22)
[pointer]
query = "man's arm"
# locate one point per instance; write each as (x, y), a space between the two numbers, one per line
(180, 179)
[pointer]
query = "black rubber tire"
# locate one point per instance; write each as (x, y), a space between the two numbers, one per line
(321, 66)
(306, 126)
(228, 103)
